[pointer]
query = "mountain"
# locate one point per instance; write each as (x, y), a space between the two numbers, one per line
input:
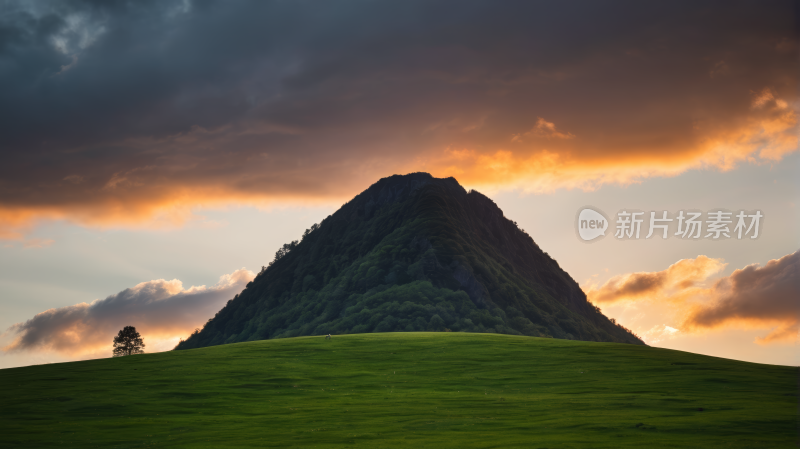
(411, 253)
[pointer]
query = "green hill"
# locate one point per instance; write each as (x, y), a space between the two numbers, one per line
(438, 390)
(411, 253)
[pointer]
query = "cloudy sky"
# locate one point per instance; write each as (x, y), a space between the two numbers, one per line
(155, 154)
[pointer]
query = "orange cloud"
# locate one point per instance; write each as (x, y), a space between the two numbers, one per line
(162, 311)
(153, 208)
(498, 104)
(768, 134)
(543, 128)
(548, 129)
(752, 297)
(166, 194)
(681, 278)
(755, 296)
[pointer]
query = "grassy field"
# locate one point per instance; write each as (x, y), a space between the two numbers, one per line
(403, 390)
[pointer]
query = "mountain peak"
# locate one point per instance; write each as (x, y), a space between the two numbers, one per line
(411, 253)
(399, 187)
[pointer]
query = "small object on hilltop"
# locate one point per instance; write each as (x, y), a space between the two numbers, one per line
(328, 337)
(128, 342)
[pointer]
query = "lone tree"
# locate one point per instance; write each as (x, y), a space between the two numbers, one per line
(128, 342)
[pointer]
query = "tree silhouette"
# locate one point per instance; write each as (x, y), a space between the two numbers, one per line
(128, 342)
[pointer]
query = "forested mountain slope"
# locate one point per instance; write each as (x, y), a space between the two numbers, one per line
(411, 253)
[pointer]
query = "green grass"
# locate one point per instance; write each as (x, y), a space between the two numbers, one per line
(402, 390)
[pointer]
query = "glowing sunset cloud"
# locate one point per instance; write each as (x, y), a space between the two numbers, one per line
(99, 133)
(161, 311)
(754, 297)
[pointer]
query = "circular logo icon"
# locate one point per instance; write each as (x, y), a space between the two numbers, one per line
(591, 224)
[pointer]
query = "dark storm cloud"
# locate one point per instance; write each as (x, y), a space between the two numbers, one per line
(113, 112)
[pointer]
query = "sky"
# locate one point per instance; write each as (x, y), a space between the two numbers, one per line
(156, 154)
